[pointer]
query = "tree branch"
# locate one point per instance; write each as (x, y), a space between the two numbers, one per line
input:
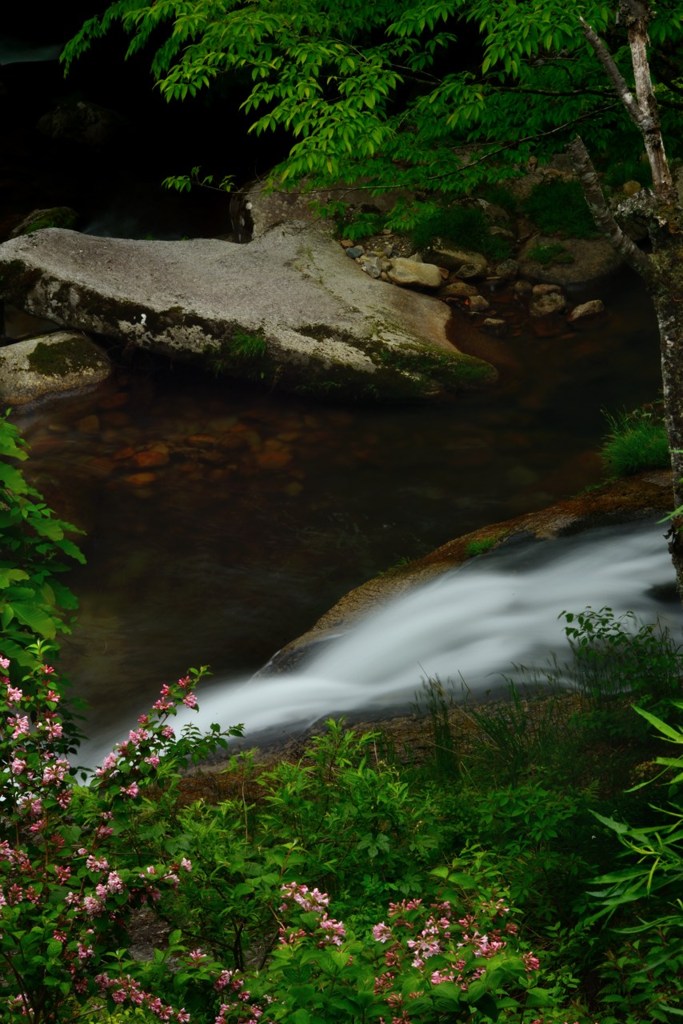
(613, 73)
(641, 108)
(602, 215)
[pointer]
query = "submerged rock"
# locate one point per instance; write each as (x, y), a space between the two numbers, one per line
(547, 303)
(585, 310)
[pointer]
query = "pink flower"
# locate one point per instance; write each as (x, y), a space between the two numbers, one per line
(531, 962)
(131, 791)
(438, 977)
(381, 932)
(114, 882)
(18, 766)
(55, 772)
(4, 662)
(162, 704)
(20, 725)
(97, 863)
(109, 762)
(190, 700)
(14, 694)
(138, 736)
(91, 905)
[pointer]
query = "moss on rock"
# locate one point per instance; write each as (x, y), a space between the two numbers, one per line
(72, 355)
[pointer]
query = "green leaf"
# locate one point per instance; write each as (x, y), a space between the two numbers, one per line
(616, 826)
(13, 479)
(35, 618)
(8, 576)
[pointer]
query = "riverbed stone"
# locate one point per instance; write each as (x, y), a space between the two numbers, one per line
(287, 310)
(50, 364)
(478, 304)
(585, 310)
(412, 273)
(458, 290)
(462, 262)
(547, 303)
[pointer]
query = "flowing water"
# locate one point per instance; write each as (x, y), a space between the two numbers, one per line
(473, 629)
(222, 522)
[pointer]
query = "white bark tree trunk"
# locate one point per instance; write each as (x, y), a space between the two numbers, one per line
(662, 269)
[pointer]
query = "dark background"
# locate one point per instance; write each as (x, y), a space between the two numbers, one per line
(115, 187)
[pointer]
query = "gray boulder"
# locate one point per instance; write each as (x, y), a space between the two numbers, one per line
(578, 260)
(288, 310)
(50, 364)
(413, 273)
(462, 262)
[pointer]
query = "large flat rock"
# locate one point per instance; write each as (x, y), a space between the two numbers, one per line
(289, 309)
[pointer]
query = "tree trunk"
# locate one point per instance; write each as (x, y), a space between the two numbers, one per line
(667, 294)
(662, 269)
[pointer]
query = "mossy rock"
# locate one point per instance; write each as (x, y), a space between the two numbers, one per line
(51, 364)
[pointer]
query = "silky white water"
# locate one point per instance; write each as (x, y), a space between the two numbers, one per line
(469, 626)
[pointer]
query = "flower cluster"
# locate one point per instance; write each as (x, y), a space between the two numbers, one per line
(238, 1006)
(127, 990)
(65, 883)
(313, 901)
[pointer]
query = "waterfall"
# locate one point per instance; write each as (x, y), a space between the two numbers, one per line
(468, 627)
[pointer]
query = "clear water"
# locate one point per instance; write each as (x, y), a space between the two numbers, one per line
(264, 510)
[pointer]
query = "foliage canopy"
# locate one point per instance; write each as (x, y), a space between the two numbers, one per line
(403, 94)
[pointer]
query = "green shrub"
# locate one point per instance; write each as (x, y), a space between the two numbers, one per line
(559, 208)
(617, 656)
(498, 194)
(463, 226)
(643, 972)
(35, 549)
(636, 441)
(351, 221)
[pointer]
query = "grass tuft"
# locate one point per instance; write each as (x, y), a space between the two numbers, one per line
(636, 441)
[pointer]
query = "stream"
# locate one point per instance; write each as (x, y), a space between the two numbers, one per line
(221, 521)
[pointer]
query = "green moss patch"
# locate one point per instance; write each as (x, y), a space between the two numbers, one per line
(455, 372)
(57, 359)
